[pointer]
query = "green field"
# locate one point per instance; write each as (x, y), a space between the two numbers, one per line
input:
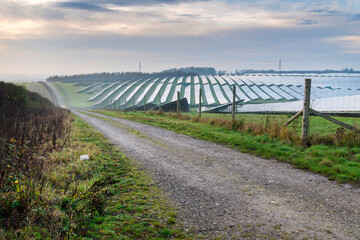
(318, 125)
(337, 157)
(72, 97)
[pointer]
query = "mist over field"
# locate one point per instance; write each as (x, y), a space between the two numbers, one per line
(22, 78)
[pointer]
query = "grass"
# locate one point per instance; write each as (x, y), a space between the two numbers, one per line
(38, 88)
(318, 125)
(337, 159)
(75, 99)
(135, 208)
(105, 197)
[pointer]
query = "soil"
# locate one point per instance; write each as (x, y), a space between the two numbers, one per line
(222, 192)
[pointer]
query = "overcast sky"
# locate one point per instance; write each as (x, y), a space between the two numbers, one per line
(46, 37)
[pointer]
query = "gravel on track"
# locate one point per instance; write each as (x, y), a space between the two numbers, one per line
(222, 192)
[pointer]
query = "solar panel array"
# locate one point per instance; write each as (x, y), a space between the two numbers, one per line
(259, 92)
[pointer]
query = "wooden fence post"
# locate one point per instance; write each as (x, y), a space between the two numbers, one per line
(199, 103)
(233, 103)
(178, 103)
(306, 109)
(159, 102)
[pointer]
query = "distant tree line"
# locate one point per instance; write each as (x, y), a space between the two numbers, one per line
(176, 72)
(247, 71)
(193, 70)
(115, 76)
(105, 76)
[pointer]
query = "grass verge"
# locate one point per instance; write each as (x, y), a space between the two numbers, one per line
(341, 163)
(71, 95)
(105, 197)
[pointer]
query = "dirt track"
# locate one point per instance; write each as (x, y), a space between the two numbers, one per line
(220, 191)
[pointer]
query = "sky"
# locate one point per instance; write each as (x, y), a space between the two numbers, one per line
(58, 37)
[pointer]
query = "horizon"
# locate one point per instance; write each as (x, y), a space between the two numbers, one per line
(40, 38)
(33, 78)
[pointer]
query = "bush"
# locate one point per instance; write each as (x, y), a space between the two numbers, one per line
(30, 128)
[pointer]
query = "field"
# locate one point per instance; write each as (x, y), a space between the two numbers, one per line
(318, 125)
(257, 92)
(70, 94)
(334, 154)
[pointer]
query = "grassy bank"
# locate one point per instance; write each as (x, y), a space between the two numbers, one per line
(71, 95)
(105, 197)
(48, 192)
(336, 155)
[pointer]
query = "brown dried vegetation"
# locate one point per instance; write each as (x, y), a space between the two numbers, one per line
(274, 128)
(31, 127)
(271, 127)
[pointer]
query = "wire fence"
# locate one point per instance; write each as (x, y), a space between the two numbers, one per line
(258, 97)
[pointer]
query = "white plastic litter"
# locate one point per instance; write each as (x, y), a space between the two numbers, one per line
(84, 157)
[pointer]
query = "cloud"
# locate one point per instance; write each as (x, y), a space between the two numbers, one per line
(189, 15)
(326, 12)
(350, 17)
(350, 43)
(82, 6)
(155, 17)
(186, 18)
(355, 17)
(100, 34)
(3, 48)
(306, 22)
(10, 29)
(166, 18)
(143, 2)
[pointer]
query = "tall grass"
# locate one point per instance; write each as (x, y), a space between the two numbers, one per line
(275, 128)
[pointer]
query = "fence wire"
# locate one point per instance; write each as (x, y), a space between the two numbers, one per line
(256, 94)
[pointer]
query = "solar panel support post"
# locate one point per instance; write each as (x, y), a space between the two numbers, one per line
(306, 110)
(233, 103)
(178, 103)
(133, 102)
(125, 105)
(199, 103)
(144, 105)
